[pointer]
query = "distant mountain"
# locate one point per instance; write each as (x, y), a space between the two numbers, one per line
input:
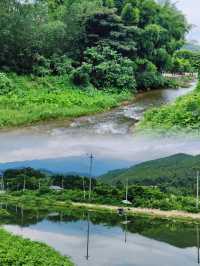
(173, 172)
(192, 46)
(69, 165)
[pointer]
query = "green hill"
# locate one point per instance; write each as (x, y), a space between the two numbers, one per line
(176, 172)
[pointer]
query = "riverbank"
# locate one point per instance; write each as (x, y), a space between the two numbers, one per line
(142, 211)
(36, 99)
(61, 202)
(16, 250)
(181, 116)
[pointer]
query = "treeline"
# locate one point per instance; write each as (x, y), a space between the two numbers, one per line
(28, 185)
(121, 44)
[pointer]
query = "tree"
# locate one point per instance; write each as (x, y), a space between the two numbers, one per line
(107, 27)
(130, 15)
(109, 3)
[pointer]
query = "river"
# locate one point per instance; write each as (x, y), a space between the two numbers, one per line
(60, 146)
(108, 239)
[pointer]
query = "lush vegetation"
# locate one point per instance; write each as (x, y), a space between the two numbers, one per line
(183, 114)
(32, 188)
(45, 35)
(17, 251)
(29, 99)
(175, 174)
(62, 52)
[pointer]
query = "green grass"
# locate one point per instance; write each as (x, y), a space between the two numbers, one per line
(183, 114)
(17, 251)
(38, 99)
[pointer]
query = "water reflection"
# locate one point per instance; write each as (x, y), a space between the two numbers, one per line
(107, 239)
(88, 235)
(198, 258)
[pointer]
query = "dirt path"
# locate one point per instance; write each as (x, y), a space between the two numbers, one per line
(153, 212)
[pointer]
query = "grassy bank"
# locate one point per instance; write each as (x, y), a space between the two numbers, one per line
(16, 251)
(34, 99)
(150, 198)
(183, 114)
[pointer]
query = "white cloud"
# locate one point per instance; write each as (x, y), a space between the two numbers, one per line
(191, 9)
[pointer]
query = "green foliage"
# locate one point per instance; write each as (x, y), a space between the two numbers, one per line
(42, 37)
(174, 174)
(181, 66)
(81, 75)
(147, 76)
(41, 98)
(109, 3)
(183, 115)
(106, 27)
(6, 84)
(105, 68)
(139, 196)
(187, 59)
(15, 251)
(130, 15)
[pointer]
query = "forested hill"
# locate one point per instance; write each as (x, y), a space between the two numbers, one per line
(175, 172)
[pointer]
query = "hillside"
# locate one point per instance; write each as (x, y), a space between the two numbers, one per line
(192, 46)
(175, 172)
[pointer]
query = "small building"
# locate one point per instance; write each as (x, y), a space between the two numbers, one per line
(126, 202)
(56, 188)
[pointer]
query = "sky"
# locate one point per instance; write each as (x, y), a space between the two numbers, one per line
(191, 9)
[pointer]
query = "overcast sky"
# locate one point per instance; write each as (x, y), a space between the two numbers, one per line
(191, 8)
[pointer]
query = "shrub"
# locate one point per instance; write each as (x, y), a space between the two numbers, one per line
(6, 84)
(147, 75)
(105, 68)
(81, 75)
(42, 67)
(61, 65)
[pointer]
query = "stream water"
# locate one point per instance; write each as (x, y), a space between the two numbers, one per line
(60, 146)
(97, 239)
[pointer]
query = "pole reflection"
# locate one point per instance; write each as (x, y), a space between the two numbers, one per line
(88, 236)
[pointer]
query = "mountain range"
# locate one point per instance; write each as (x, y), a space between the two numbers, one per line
(69, 165)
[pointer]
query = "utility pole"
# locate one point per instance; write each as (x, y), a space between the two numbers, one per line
(24, 185)
(84, 187)
(2, 183)
(91, 157)
(62, 183)
(197, 199)
(127, 190)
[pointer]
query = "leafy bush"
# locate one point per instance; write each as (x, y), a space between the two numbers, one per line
(61, 65)
(105, 68)
(147, 76)
(81, 75)
(6, 84)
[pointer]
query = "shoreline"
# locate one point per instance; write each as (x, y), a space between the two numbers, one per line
(143, 211)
